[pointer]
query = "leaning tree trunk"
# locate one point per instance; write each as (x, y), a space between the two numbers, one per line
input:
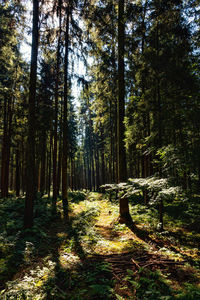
(121, 150)
(30, 171)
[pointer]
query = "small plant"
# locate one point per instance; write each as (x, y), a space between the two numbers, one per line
(29, 252)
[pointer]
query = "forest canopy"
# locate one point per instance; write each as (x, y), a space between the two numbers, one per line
(129, 109)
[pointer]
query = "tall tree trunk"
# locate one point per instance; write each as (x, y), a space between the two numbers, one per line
(59, 163)
(55, 189)
(97, 168)
(11, 181)
(85, 173)
(8, 112)
(103, 180)
(37, 163)
(30, 171)
(17, 172)
(91, 146)
(72, 173)
(43, 162)
(159, 122)
(4, 153)
(116, 143)
(50, 163)
(93, 171)
(111, 144)
(103, 172)
(88, 163)
(10, 118)
(122, 176)
(23, 166)
(65, 122)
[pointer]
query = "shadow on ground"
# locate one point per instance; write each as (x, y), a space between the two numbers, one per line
(78, 273)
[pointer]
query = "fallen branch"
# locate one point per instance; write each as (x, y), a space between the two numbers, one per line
(135, 263)
(117, 276)
(119, 262)
(164, 263)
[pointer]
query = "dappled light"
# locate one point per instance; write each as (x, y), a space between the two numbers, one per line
(95, 256)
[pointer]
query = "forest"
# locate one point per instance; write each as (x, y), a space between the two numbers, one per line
(100, 149)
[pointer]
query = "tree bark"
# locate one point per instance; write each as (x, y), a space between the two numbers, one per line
(122, 176)
(59, 164)
(17, 173)
(23, 167)
(7, 130)
(65, 122)
(30, 171)
(55, 189)
(50, 164)
(97, 168)
(43, 162)
(159, 109)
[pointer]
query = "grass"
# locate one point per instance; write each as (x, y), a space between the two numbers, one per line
(95, 257)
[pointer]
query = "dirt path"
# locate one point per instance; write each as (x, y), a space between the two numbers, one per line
(134, 254)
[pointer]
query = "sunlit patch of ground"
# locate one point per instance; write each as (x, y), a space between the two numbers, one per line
(95, 256)
(108, 213)
(69, 260)
(31, 283)
(116, 239)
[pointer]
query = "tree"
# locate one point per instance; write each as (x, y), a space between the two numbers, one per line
(65, 115)
(44, 115)
(9, 65)
(30, 172)
(101, 22)
(121, 150)
(55, 188)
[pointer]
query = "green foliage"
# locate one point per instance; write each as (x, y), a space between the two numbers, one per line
(32, 285)
(185, 210)
(58, 261)
(16, 244)
(82, 230)
(72, 129)
(158, 188)
(149, 285)
(77, 196)
(95, 282)
(191, 292)
(163, 83)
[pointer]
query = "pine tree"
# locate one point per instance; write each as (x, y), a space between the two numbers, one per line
(30, 173)
(121, 150)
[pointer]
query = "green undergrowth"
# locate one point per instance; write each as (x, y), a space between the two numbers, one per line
(77, 196)
(15, 242)
(153, 285)
(58, 260)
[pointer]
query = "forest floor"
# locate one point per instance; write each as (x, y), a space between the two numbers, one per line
(93, 256)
